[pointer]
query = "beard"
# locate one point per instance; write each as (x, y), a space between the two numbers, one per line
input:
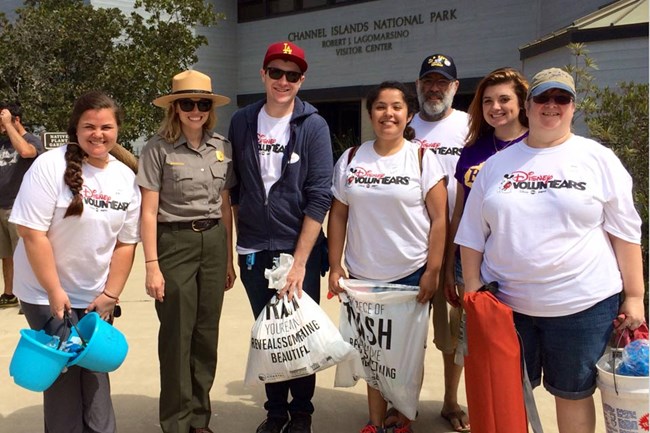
(435, 109)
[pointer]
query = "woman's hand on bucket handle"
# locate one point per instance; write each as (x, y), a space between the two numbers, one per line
(59, 303)
(103, 305)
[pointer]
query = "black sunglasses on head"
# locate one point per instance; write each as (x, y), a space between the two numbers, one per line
(187, 105)
(559, 99)
(276, 74)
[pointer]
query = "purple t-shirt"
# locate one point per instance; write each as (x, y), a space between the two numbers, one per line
(473, 157)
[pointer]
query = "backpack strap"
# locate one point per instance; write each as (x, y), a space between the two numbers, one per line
(353, 151)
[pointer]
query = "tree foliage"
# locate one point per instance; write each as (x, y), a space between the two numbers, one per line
(619, 120)
(56, 50)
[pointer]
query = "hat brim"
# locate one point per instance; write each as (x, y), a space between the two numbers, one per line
(217, 100)
(444, 74)
(551, 85)
(289, 58)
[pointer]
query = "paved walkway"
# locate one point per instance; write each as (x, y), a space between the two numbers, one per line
(235, 408)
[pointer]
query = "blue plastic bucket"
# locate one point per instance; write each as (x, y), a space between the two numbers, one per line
(34, 365)
(106, 346)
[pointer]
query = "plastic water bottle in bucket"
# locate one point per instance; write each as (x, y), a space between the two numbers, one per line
(623, 383)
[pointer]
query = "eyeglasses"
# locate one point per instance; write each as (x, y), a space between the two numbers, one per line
(187, 105)
(276, 74)
(558, 99)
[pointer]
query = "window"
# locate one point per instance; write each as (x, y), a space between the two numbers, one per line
(251, 10)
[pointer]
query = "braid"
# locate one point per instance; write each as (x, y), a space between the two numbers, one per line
(74, 156)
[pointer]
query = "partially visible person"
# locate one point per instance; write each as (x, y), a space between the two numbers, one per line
(77, 214)
(18, 149)
(403, 223)
(551, 219)
(497, 121)
(443, 129)
(283, 160)
(185, 174)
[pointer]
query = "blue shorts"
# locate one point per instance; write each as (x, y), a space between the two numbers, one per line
(567, 348)
(411, 279)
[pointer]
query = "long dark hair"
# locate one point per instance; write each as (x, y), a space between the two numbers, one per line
(74, 155)
(478, 127)
(409, 98)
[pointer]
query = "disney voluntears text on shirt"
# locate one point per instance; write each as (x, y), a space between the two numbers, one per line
(388, 193)
(111, 201)
(559, 198)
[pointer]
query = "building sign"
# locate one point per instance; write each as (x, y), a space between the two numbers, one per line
(370, 36)
(53, 140)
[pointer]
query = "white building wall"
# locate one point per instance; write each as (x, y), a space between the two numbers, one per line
(219, 59)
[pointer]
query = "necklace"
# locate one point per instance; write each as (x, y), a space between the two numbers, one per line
(507, 143)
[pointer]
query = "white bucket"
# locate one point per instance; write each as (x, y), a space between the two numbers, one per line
(627, 410)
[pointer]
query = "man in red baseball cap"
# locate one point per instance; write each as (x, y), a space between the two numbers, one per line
(283, 161)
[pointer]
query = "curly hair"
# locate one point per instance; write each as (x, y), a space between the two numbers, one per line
(409, 98)
(74, 155)
(478, 127)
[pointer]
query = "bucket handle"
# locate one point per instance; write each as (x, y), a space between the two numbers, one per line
(67, 319)
(613, 359)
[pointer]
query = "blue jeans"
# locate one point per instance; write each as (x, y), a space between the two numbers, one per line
(259, 294)
(567, 348)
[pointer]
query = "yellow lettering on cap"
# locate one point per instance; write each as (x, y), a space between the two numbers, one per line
(287, 49)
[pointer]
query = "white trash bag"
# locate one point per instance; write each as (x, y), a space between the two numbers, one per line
(389, 329)
(292, 339)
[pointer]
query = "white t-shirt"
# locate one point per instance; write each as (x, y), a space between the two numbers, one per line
(388, 224)
(272, 138)
(541, 218)
(446, 139)
(82, 245)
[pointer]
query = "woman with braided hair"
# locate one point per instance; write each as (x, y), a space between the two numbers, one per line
(77, 213)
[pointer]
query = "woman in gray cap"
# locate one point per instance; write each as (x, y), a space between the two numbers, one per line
(552, 220)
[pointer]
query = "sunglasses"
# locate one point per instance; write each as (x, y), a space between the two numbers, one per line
(187, 105)
(276, 74)
(558, 99)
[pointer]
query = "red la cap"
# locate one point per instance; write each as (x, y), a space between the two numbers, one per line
(286, 51)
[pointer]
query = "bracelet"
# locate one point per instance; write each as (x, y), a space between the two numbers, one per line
(108, 295)
(152, 260)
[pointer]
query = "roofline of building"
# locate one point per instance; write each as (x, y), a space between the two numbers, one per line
(573, 35)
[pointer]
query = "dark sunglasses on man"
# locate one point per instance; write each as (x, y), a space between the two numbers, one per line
(276, 74)
(559, 99)
(187, 105)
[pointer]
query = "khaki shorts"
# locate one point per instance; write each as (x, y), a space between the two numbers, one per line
(8, 235)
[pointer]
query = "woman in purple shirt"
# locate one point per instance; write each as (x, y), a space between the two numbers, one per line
(497, 120)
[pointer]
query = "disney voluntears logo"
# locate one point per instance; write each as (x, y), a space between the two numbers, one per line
(101, 202)
(267, 145)
(438, 148)
(531, 183)
(366, 178)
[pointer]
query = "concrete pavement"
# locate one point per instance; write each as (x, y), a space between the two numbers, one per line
(135, 385)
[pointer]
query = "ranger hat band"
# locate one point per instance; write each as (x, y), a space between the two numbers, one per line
(191, 84)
